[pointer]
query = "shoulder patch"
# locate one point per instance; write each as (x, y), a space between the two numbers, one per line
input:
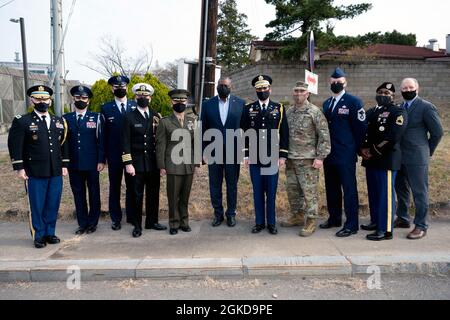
(400, 120)
(362, 115)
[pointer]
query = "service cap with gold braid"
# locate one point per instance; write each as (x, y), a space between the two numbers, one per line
(40, 92)
(261, 81)
(143, 89)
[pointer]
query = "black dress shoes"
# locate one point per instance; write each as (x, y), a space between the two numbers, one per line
(52, 239)
(116, 226)
(401, 224)
(369, 227)
(156, 226)
(272, 229)
(329, 225)
(344, 233)
(258, 228)
(217, 222)
(231, 221)
(186, 229)
(91, 229)
(173, 231)
(40, 243)
(379, 236)
(137, 232)
(80, 231)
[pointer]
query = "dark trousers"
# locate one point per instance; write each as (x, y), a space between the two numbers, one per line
(178, 192)
(115, 184)
(342, 179)
(150, 181)
(416, 179)
(216, 175)
(45, 197)
(264, 195)
(380, 186)
(78, 182)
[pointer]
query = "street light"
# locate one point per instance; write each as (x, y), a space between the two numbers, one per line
(24, 57)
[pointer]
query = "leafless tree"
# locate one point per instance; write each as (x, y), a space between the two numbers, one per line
(112, 58)
(167, 74)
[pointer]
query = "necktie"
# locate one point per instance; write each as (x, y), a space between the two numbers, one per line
(45, 121)
(406, 106)
(123, 108)
(80, 116)
(330, 109)
(146, 115)
(181, 121)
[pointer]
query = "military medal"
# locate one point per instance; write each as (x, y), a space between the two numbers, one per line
(382, 128)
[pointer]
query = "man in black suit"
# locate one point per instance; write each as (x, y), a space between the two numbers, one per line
(139, 158)
(420, 140)
(223, 113)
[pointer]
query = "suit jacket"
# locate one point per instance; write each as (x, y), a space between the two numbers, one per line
(138, 140)
(165, 145)
(253, 117)
(42, 152)
(386, 126)
(113, 132)
(86, 141)
(423, 119)
(210, 117)
(347, 124)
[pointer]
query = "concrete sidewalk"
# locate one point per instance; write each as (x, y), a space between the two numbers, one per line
(216, 252)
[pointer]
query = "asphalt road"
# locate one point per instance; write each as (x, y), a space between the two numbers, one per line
(392, 287)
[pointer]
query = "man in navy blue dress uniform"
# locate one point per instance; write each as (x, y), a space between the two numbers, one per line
(267, 120)
(114, 113)
(39, 154)
(139, 157)
(87, 158)
(382, 158)
(347, 123)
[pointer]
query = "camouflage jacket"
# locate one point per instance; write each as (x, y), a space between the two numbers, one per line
(309, 137)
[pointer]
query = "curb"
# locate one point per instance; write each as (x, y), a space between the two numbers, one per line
(101, 270)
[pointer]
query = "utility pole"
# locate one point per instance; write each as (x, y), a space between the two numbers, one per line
(56, 21)
(25, 59)
(208, 51)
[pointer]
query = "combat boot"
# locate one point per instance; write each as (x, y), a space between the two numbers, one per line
(294, 221)
(309, 229)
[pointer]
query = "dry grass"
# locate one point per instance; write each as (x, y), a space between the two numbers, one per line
(13, 204)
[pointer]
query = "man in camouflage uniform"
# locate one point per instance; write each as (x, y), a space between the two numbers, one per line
(309, 144)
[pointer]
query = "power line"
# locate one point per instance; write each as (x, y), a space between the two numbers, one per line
(4, 5)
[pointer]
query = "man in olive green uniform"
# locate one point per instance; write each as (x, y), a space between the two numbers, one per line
(309, 144)
(179, 167)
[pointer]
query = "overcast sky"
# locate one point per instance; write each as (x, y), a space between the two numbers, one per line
(171, 27)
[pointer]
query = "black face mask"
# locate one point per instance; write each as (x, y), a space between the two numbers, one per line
(143, 102)
(337, 87)
(81, 105)
(383, 100)
(223, 90)
(120, 93)
(41, 107)
(263, 96)
(409, 95)
(179, 107)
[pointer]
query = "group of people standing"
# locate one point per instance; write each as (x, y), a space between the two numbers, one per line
(394, 141)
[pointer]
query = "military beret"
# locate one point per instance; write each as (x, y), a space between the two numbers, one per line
(301, 85)
(338, 73)
(261, 81)
(179, 94)
(118, 81)
(388, 86)
(81, 91)
(143, 89)
(40, 92)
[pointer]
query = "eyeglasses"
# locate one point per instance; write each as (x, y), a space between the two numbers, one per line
(119, 87)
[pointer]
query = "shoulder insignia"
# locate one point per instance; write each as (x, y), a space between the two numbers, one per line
(18, 116)
(400, 120)
(361, 115)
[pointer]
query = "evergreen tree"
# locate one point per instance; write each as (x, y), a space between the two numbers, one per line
(233, 38)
